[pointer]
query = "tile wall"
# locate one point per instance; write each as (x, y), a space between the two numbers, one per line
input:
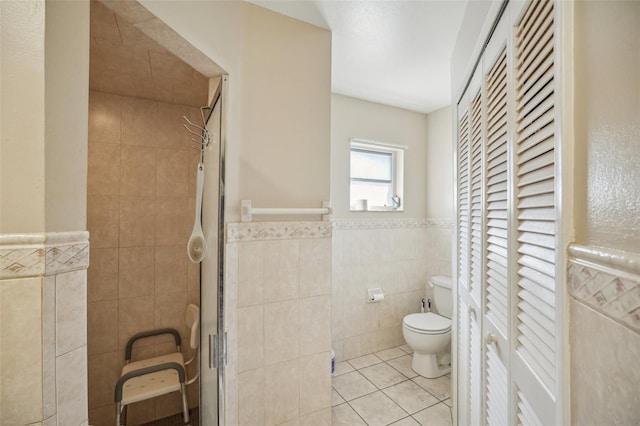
(279, 332)
(141, 198)
(397, 255)
(604, 286)
(43, 356)
(126, 61)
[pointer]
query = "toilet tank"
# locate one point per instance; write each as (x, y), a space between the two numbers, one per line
(442, 295)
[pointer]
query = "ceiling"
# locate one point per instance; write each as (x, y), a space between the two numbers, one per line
(126, 61)
(394, 52)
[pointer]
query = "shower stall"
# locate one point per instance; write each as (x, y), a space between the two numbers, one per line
(141, 203)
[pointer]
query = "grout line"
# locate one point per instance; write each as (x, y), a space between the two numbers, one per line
(379, 389)
(358, 414)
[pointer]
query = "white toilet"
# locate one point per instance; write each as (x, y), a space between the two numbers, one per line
(429, 334)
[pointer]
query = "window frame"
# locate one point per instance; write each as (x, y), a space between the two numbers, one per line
(397, 171)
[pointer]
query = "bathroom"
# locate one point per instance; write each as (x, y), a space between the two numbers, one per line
(141, 185)
(317, 249)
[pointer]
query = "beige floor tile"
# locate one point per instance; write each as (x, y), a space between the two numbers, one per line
(342, 368)
(407, 421)
(407, 349)
(343, 415)
(403, 365)
(352, 385)
(392, 353)
(382, 375)
(377, 409)
(336, 399)
(411, 397)
(440, 387)
(364, 361)
(449, 402)
(319, 418)
(438, 415)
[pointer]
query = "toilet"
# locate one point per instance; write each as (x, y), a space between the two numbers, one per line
(429, 334)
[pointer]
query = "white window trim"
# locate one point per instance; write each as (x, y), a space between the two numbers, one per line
(397, 155)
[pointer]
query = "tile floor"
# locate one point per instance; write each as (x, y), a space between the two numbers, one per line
(382, 389)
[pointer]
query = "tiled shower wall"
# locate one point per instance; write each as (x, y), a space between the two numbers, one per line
(396, 255)
(279, 305)
(604, 286)
(141, 198)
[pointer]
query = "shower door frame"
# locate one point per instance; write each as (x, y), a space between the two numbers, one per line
(213, 355)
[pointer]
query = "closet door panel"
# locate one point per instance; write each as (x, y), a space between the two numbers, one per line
(497, 165)
(470, 249)
(497, 279)
(535, 192)
(497, 387)
(477, 178)
(464, 183)
(463, 367)
(508, 226)
(463, 246)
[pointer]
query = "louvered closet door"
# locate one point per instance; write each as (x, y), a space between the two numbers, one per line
(497, 271)
(536, 328)
(476, 254)
(463, 255)
(509, 322)
(469, 252)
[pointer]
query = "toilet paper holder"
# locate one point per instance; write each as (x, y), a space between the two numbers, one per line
(374, 295)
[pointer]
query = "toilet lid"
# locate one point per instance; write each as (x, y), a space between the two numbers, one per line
(428, 322)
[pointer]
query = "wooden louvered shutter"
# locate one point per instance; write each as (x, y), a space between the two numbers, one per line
(497, 190)
(476, 199)
(538, 331)
(475, 369)
(470, 193)
(535, 192)
(509, 318)
(526, 413)
(463, 233)
(463, 200)
(497, 239)
(497, 388)
(476, 266)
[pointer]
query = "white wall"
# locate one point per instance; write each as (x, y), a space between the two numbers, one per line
(607, 100)
(388, 250)
(66, 114)
(439, 185)
(278, 134)
(398, 256)
(22, 117)
(355, 118)
(472, 34)
(43, 116)
(605, 339)
(43, 120)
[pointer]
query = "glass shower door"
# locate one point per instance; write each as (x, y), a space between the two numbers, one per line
(211, 270)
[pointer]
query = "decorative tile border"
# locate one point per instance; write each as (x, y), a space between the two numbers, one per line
(259, 231)
(28, 255)
(608, 281)
(353, 224)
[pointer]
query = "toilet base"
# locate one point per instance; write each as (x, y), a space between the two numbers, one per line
(427, 365)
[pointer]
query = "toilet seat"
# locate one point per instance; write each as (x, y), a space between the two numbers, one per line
(427, 323)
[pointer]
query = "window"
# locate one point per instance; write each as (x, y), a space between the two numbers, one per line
(376, 176)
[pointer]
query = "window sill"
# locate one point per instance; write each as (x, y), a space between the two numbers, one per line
(377, 209)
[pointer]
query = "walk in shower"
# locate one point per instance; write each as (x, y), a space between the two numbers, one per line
(141, 205)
